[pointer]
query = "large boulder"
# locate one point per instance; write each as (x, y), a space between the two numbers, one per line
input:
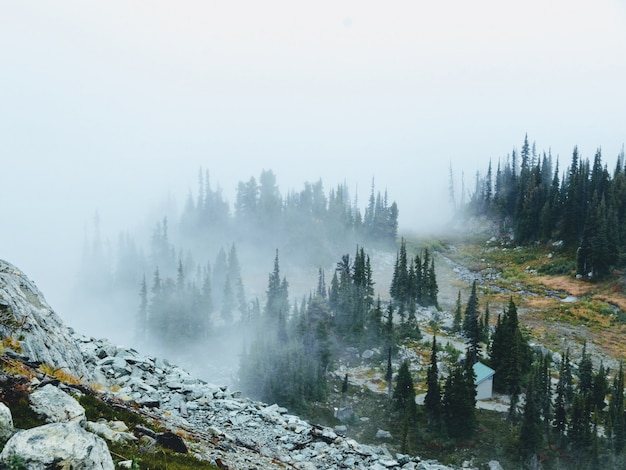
(6, 422)
(58, 445)
(56, 406)
(24, 313)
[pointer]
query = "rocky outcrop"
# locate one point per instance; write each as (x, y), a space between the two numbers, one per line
(43, 336)
(58, 445)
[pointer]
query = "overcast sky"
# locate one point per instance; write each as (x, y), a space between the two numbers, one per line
(110, 105)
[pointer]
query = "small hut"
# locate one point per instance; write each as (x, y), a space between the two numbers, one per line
(484, 381)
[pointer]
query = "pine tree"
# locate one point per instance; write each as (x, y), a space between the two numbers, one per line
(236, 282)
(404, 392)
(585, 373)
(559, 422)
(600, 388)
(459, 402)
(404, 401)
(471, 327)
(531, 434)
(432, 401)
(510, 354)
(277, 293)
(458, 315)
(616, 412)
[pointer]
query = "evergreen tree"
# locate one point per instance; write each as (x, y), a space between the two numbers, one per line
(579, 428)
(277, 293)
(510, 354)
(616, 412)
(404, 401)
(432, 401)
(471, 326)
(459, 402)
(458, 315)
(531, 434)
(404, 391)
(565, 375)
(600, 388)
(585, 373)
(236, 282)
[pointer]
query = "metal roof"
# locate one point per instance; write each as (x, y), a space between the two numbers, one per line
(482, 372)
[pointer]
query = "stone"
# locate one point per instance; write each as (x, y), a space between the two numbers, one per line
(367, 354)
(172, 441)
(107, 431)
(56, 406)
(56, 444)
(382, 434)
(6, 422)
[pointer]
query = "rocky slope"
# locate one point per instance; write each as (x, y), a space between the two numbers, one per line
(212, 422)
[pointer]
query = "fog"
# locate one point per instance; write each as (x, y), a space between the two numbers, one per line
(112, 108)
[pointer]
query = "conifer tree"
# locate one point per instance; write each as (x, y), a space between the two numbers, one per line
(585, 373)
(616, 412)
(471, 326)
(432, 401)
(236, 282)
(510, 354)
(404, 401)
(600, 388)
(459, 401)
(277, 293)
(559, 422)
(565, 375)
(531, 434)
(458, 315)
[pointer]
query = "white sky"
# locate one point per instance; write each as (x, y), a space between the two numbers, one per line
(110, 105)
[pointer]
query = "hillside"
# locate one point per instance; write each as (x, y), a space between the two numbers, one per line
(557, 310)
(148, 412)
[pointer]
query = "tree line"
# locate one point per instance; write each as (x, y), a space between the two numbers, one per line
(188, 270)
(584, 206)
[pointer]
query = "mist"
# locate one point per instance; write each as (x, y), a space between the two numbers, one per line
(110, 110)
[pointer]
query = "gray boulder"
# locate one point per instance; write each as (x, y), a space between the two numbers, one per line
(56, 406)
(58, 445)
(6, 422)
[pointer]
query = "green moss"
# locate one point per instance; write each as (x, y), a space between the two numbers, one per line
(161, 460)
(96, 409)
(23, 416)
